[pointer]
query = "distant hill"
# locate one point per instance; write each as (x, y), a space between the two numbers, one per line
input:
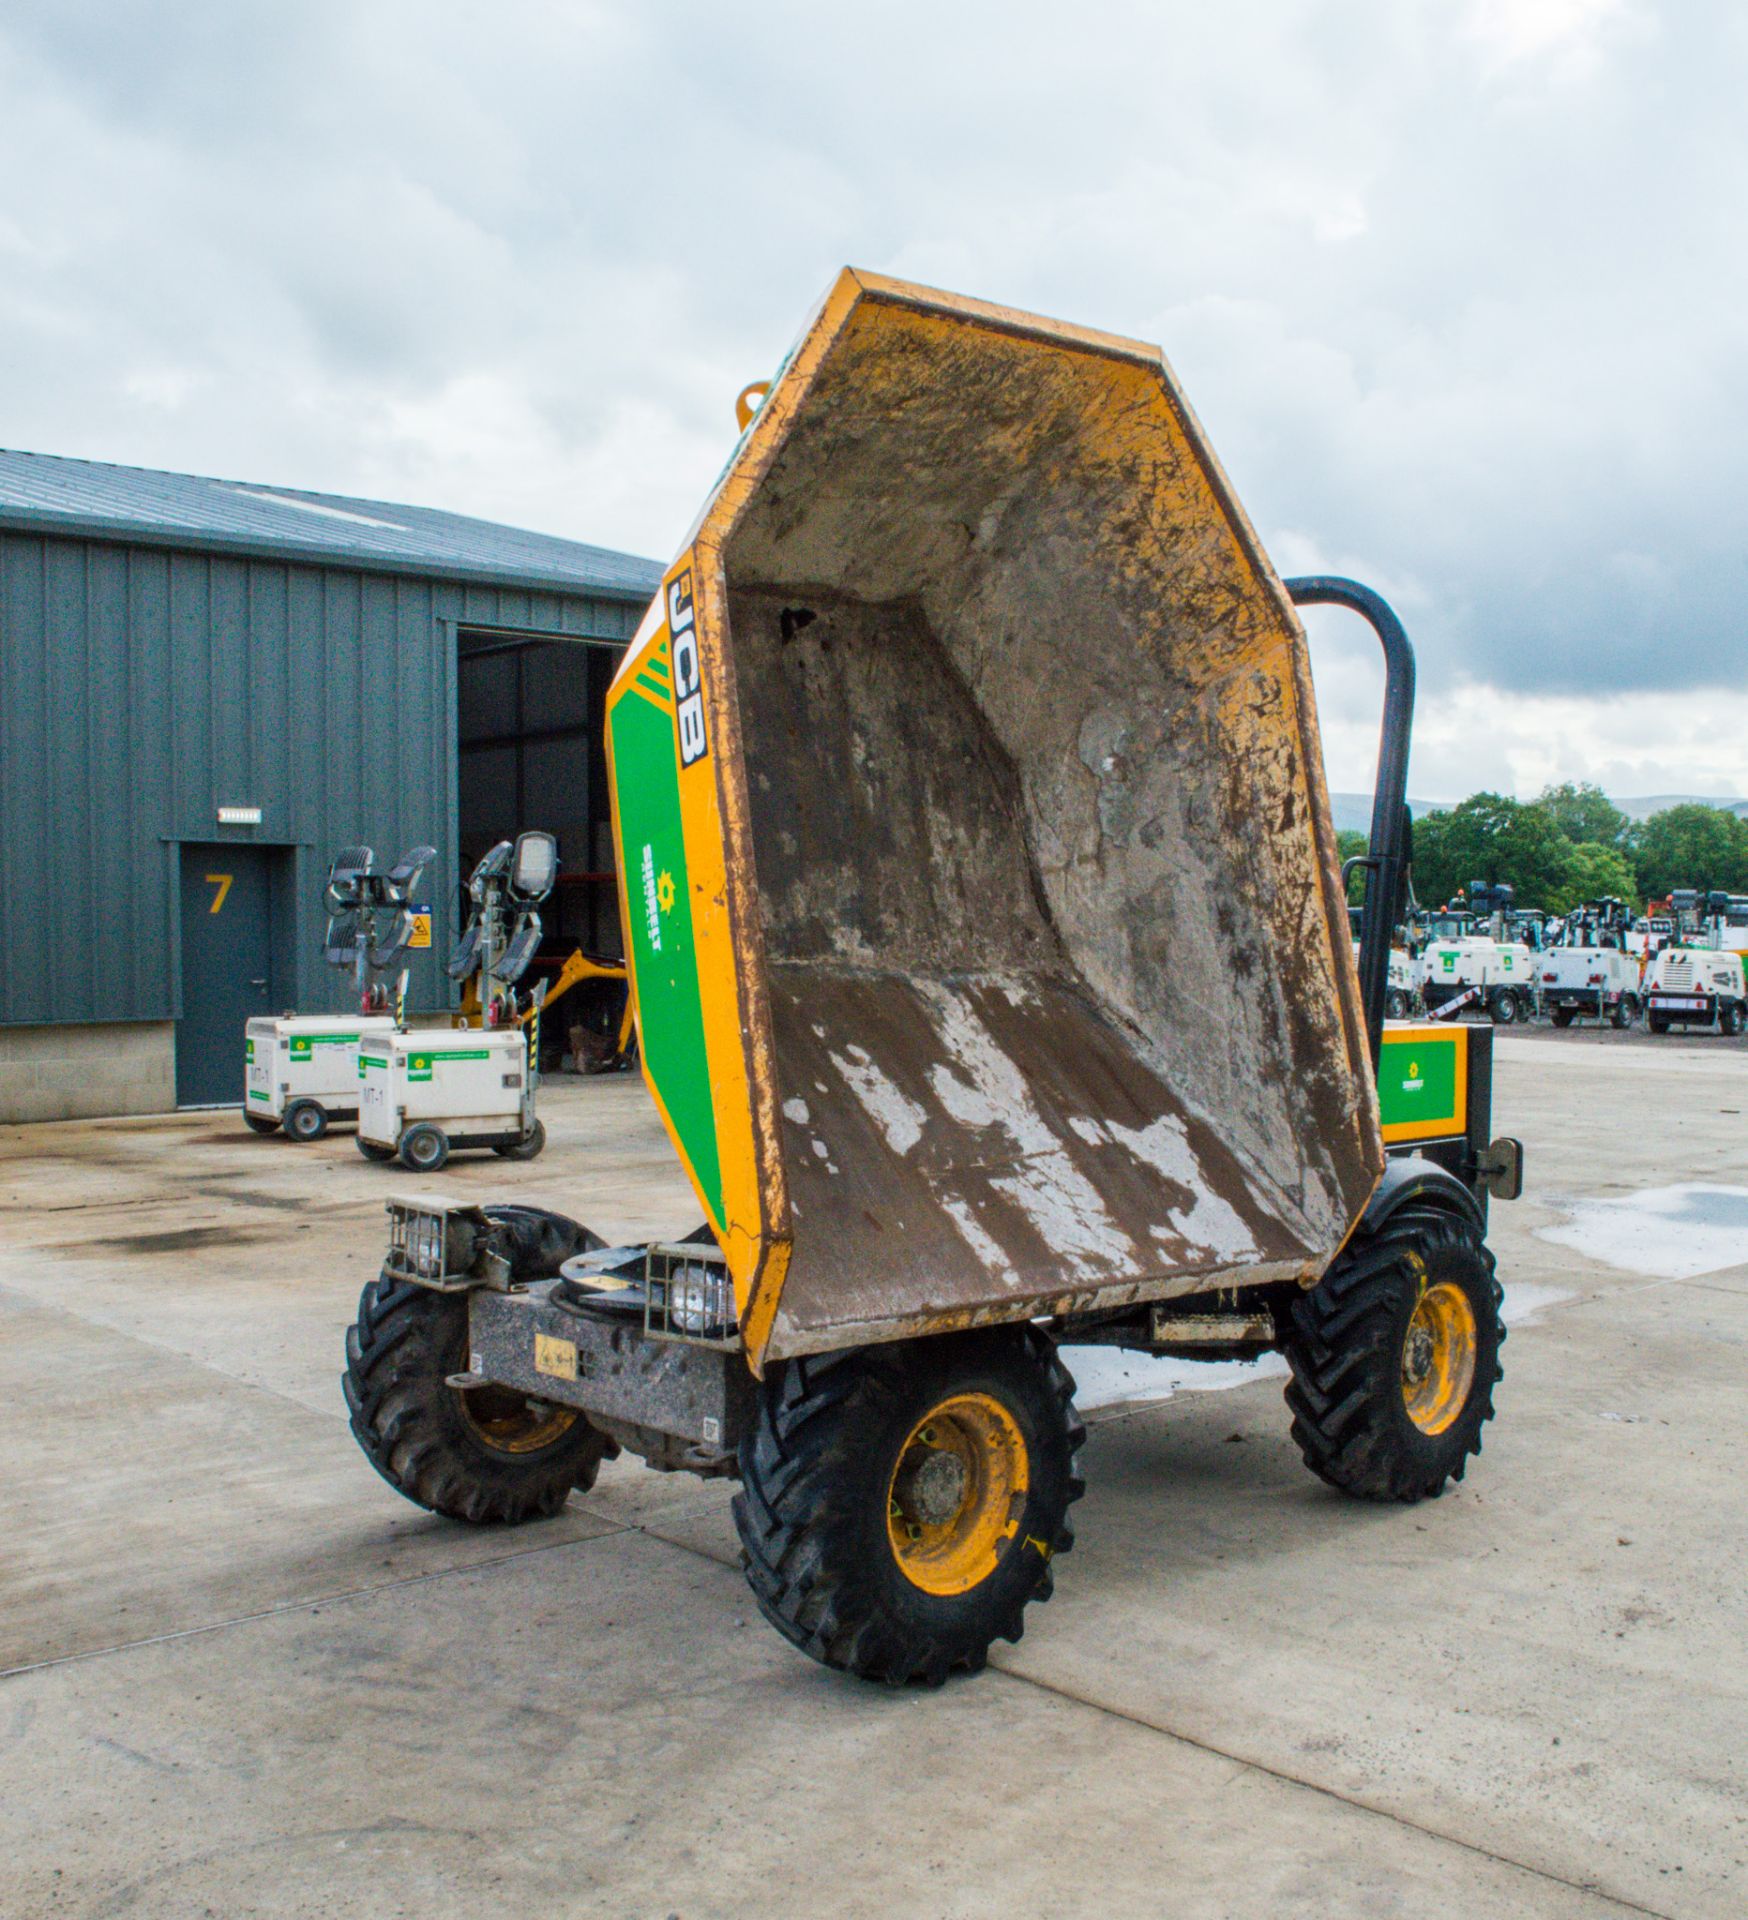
(1354, 810)
(1648, 804)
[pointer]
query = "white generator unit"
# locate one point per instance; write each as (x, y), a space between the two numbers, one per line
(1402, 994)
(1504, 970)
(427, 1092)
(300, 1071)
(1600, 983)
(1402, 985)
(424, 1093)
(1695, 987)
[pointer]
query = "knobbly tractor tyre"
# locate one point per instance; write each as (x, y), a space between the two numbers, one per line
(901, 1505)
(488, 1455)
(424, 1149)
(305, 1121)
(259, 1123)
(529, 1147)
(1394, 1356)
(374, 1149)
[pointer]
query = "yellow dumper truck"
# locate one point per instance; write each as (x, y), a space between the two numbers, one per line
(993, 981)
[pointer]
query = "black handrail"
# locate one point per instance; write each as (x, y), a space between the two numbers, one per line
(1386, 862)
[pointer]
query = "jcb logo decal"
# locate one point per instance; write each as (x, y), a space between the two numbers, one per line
(688, 677)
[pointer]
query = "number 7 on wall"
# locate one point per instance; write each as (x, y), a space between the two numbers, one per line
(223, 882)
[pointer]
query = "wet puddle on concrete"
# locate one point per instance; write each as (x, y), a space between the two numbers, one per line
(1109, 1377)
(1671, 1233)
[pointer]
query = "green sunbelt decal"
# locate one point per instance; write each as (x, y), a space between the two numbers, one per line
(419, 1064)
(368, 1060)
(664, 945)
(302, 1043)
(1417, 1082)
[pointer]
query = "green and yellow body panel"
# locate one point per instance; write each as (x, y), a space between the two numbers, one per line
(1423, 1081)
(688, 977)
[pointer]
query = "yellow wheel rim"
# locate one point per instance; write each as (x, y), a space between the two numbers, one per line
(957, 1493)
(508, 1422)
(1438, 1358)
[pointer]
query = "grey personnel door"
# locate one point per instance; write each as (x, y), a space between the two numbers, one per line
(227, 966)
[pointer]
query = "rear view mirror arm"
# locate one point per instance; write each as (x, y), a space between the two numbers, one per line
(1387, 858)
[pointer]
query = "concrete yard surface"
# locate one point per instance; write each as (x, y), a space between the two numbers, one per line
(243, 1677)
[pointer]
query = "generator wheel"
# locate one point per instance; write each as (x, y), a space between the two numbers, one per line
(259, 1122)
(1658, 1023)
(1730, 1017)
(528, 1147)
(1561, 1016)
(1502, 1004)
(373, 1149)
(424, 1148)
(1629, 1009)
(1395, 1354)
(304, 1121)
(900, 1505)
(1395, 1004)
(486, 1454)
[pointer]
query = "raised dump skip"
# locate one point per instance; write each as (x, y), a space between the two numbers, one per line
(988, 945)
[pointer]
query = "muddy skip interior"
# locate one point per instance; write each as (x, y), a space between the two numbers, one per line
(958, 757)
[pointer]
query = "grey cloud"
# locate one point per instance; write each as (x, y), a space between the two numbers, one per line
(1460, 310)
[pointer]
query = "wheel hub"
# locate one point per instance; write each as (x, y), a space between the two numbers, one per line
(931, 1489)
(957, 1494)
(1438, 1358)
(509, 1422)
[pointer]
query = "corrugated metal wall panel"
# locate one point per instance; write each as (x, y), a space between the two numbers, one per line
(150, 935)
(141, 689)
(111, 722)
(24, 845)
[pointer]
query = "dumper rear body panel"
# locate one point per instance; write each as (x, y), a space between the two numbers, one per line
(978, 879)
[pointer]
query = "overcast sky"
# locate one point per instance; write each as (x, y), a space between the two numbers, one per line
(1457, 286)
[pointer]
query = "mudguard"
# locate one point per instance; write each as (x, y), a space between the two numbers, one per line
(1410, 1178)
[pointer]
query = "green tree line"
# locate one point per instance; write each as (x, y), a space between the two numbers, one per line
(1572, 844)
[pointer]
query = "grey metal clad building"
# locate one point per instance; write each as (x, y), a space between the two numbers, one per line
(206, 688)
